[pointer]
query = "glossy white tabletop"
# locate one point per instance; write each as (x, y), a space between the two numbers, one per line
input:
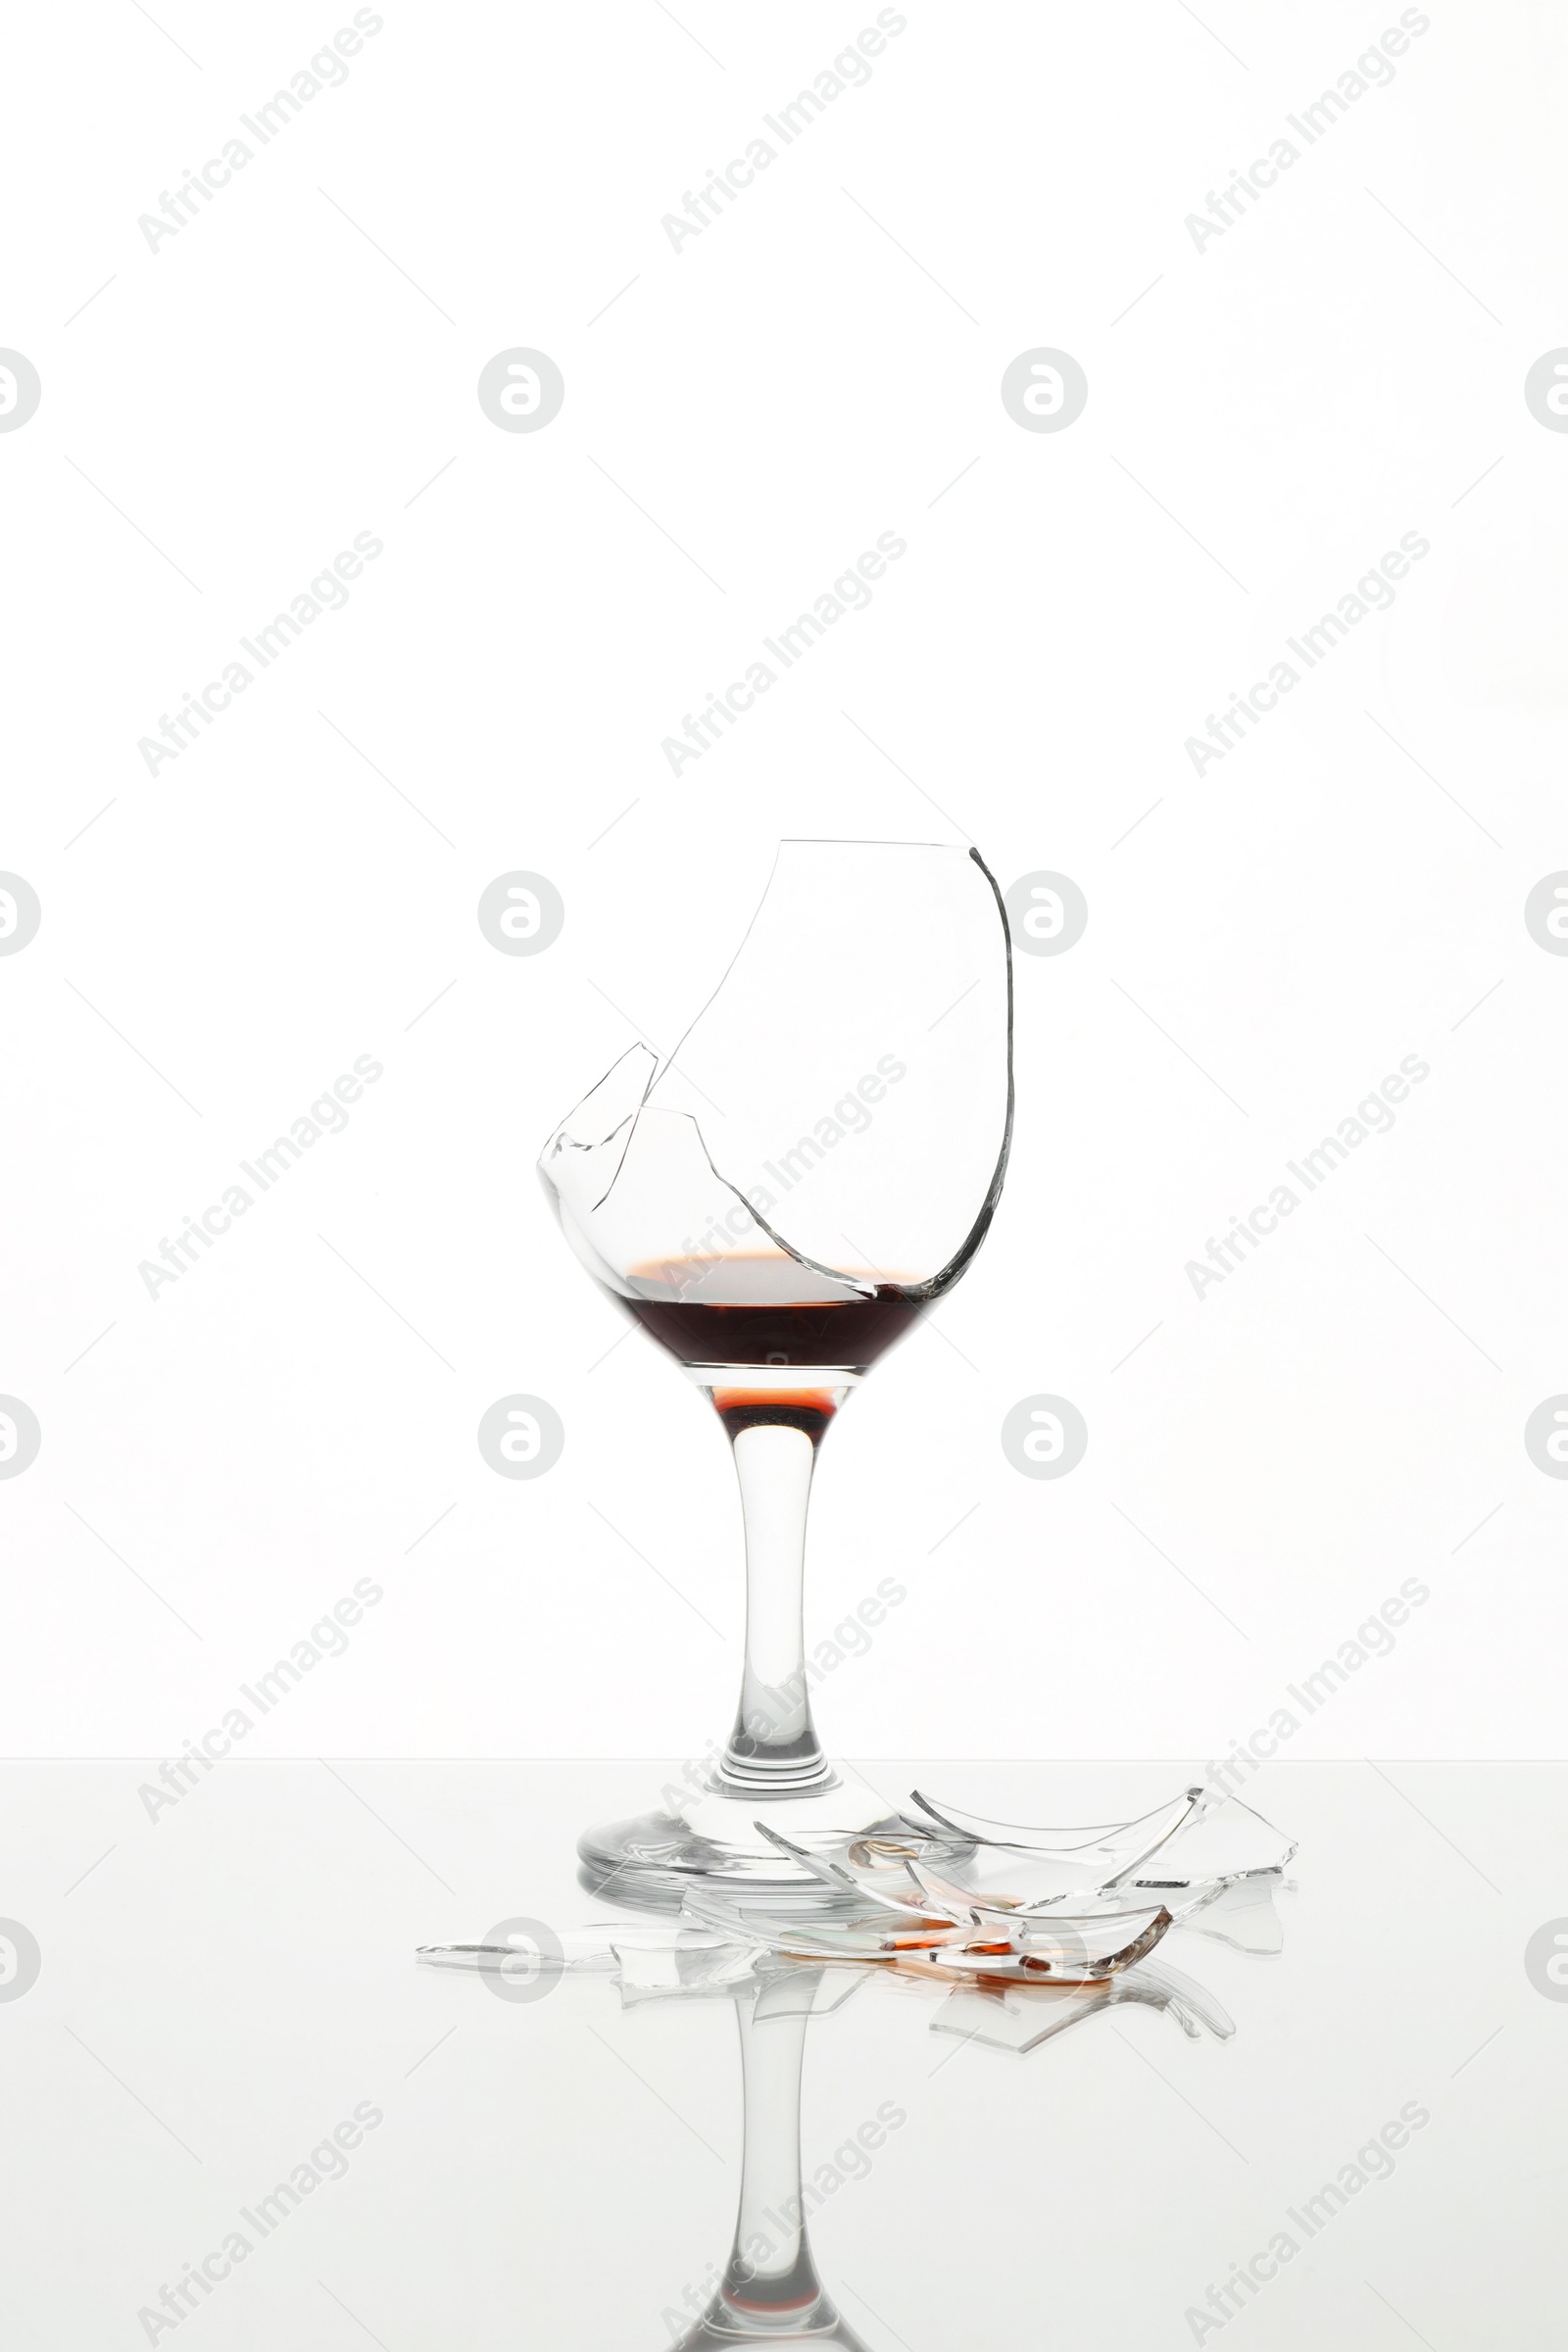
(222, 1990)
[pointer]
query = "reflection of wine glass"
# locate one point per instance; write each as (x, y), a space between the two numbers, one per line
(768, 2289)
(776, 1204)
(771, 2291)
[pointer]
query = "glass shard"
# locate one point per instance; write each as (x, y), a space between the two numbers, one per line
(1047, 1910)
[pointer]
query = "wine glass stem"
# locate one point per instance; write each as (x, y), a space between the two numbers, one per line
(774, 1747)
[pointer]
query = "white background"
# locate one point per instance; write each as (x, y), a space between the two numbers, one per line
(298, 364)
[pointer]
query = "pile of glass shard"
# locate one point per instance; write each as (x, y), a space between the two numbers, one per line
(978, 1907)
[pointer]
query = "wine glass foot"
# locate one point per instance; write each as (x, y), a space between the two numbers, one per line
(714, 1838)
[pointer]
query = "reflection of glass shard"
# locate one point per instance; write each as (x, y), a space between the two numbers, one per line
(1020, 2020)
(1240, 1913)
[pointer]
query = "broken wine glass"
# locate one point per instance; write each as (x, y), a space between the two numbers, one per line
(776, 1202)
